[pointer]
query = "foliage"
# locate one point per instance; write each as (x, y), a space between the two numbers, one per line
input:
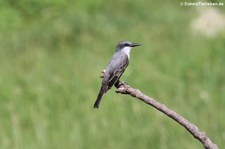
(51, 54)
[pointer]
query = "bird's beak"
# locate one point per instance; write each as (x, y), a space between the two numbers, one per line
(135, 44)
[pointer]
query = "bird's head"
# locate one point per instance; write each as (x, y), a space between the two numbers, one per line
(125, 47)
(126, 44)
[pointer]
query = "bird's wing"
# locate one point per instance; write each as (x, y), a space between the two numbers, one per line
(117, 70)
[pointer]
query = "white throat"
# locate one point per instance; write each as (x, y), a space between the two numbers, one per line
(126, 50)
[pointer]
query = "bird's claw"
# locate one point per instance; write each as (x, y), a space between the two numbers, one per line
(122, 88)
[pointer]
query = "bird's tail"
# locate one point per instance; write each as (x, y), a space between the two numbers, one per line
(98, 100)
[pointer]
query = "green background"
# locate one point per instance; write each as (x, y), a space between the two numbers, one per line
(51, 54)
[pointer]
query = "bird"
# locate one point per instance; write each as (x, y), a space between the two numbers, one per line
(116, 67)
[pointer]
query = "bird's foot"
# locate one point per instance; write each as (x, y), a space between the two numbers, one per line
(121, 86)
(118, 83)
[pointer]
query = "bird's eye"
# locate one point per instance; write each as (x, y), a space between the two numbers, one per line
(126, 45)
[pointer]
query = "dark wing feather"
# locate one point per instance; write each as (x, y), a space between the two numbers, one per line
(121, 67)
(115, 69)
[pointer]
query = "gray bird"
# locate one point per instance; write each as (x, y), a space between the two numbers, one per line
(115, 68)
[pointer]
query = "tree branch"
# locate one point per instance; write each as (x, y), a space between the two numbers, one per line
(196, 133)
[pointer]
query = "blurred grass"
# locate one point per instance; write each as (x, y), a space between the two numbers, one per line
(51, 53)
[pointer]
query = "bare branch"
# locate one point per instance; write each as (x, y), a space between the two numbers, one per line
(196, 133)
(199, 135)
